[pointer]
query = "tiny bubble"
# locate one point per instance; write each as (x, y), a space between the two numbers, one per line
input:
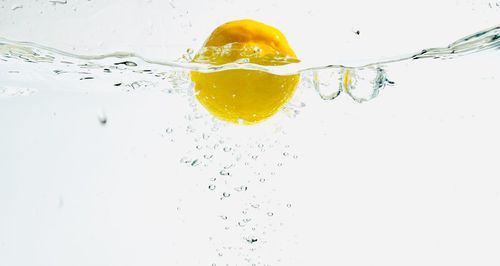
(196, 162)
(227, 149)
(103, 120)
(211, 187)
(224, 172)
(270, 214)
(241, 188)
(251, 240)
(289, 205)
(225, 194)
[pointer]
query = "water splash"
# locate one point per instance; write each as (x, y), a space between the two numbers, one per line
(361, 82)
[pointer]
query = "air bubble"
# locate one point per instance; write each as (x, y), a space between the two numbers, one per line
(196, 162)
(244, 222)
(226, 195)
(364, 84)
(251, 240)
(211, 187)
(127, 63)
(241, 188)
(224, 172)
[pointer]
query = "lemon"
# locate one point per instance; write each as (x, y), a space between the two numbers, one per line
(240, 95)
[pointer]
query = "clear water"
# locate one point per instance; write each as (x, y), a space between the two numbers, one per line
(368, 79)
(75, 136)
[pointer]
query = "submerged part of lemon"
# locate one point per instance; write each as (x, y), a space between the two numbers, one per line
(238, 95)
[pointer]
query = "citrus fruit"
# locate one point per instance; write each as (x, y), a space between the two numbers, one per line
(241, 95)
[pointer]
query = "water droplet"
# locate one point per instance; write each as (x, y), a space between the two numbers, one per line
(270, 214)
(227, 149)
(208, 156)
(211, 187)
(169, 130)
(295, 156)
(255, 157)
(260, 145)
(213, 179)
(289, 205)
(262, 180)
(225, 194)
(205, 136)
(223, 217)
(285, 154)
(224, 172)
(255, 205)
(279, 164)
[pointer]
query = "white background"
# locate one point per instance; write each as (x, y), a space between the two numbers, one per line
(410, 178)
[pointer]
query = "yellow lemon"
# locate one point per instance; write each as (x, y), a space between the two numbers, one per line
(241, 95)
